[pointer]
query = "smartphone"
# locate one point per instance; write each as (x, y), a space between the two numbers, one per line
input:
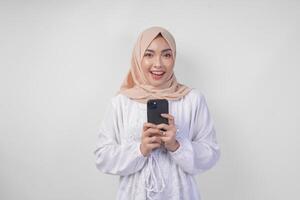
(155, 107)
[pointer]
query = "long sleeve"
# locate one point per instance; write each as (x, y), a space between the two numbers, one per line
(112, 156)
(201, 152)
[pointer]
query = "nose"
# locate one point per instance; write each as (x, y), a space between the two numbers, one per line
(158, 62)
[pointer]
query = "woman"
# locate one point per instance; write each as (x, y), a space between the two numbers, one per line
(155, 164)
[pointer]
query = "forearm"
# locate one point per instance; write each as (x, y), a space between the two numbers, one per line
(195, 157)
(120, 159)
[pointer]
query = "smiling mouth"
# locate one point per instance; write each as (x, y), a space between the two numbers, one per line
(156, 75)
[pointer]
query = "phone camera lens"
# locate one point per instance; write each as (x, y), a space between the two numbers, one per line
(153, 105)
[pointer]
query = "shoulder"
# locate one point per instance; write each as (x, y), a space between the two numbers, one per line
(120, 100)
(195, 96)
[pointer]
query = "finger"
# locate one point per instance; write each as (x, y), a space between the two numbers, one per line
(158, 134)
(151, 131)
(148, 125)
(163, 126)
(156, 139)
(151, 140)
(164, 139)
(169, 117)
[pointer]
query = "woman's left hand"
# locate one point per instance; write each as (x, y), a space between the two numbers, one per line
(169, 135)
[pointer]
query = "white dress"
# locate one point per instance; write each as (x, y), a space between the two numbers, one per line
(163, 174)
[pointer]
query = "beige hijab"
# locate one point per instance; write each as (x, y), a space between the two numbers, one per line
(136, 87)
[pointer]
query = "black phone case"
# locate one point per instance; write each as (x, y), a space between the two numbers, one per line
(155, 107)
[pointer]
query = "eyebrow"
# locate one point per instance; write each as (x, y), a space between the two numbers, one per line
(161, 51)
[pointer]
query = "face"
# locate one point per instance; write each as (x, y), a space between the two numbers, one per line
(157, 62)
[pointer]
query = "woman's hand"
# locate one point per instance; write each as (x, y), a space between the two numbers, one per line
(169, 135)
(150, 138)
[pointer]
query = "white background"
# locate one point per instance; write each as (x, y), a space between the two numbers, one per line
(62, 61)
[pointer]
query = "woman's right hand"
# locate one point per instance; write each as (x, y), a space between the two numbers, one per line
(150, 138)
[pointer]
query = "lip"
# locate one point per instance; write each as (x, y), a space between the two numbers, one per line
(156, 75)
(157, 72)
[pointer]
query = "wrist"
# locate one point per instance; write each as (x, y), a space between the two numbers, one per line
(143, 151)
(174, 147)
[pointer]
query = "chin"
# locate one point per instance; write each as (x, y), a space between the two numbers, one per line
(156, 84)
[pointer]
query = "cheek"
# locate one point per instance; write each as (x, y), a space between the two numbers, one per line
(169, 64)
(145, 64)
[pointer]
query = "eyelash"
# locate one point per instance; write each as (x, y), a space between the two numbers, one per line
(147, 54)
(168, 55)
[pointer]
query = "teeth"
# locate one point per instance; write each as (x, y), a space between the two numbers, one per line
(157, 73)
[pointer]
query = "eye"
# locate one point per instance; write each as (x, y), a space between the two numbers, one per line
(148, 55)
(167, 55)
